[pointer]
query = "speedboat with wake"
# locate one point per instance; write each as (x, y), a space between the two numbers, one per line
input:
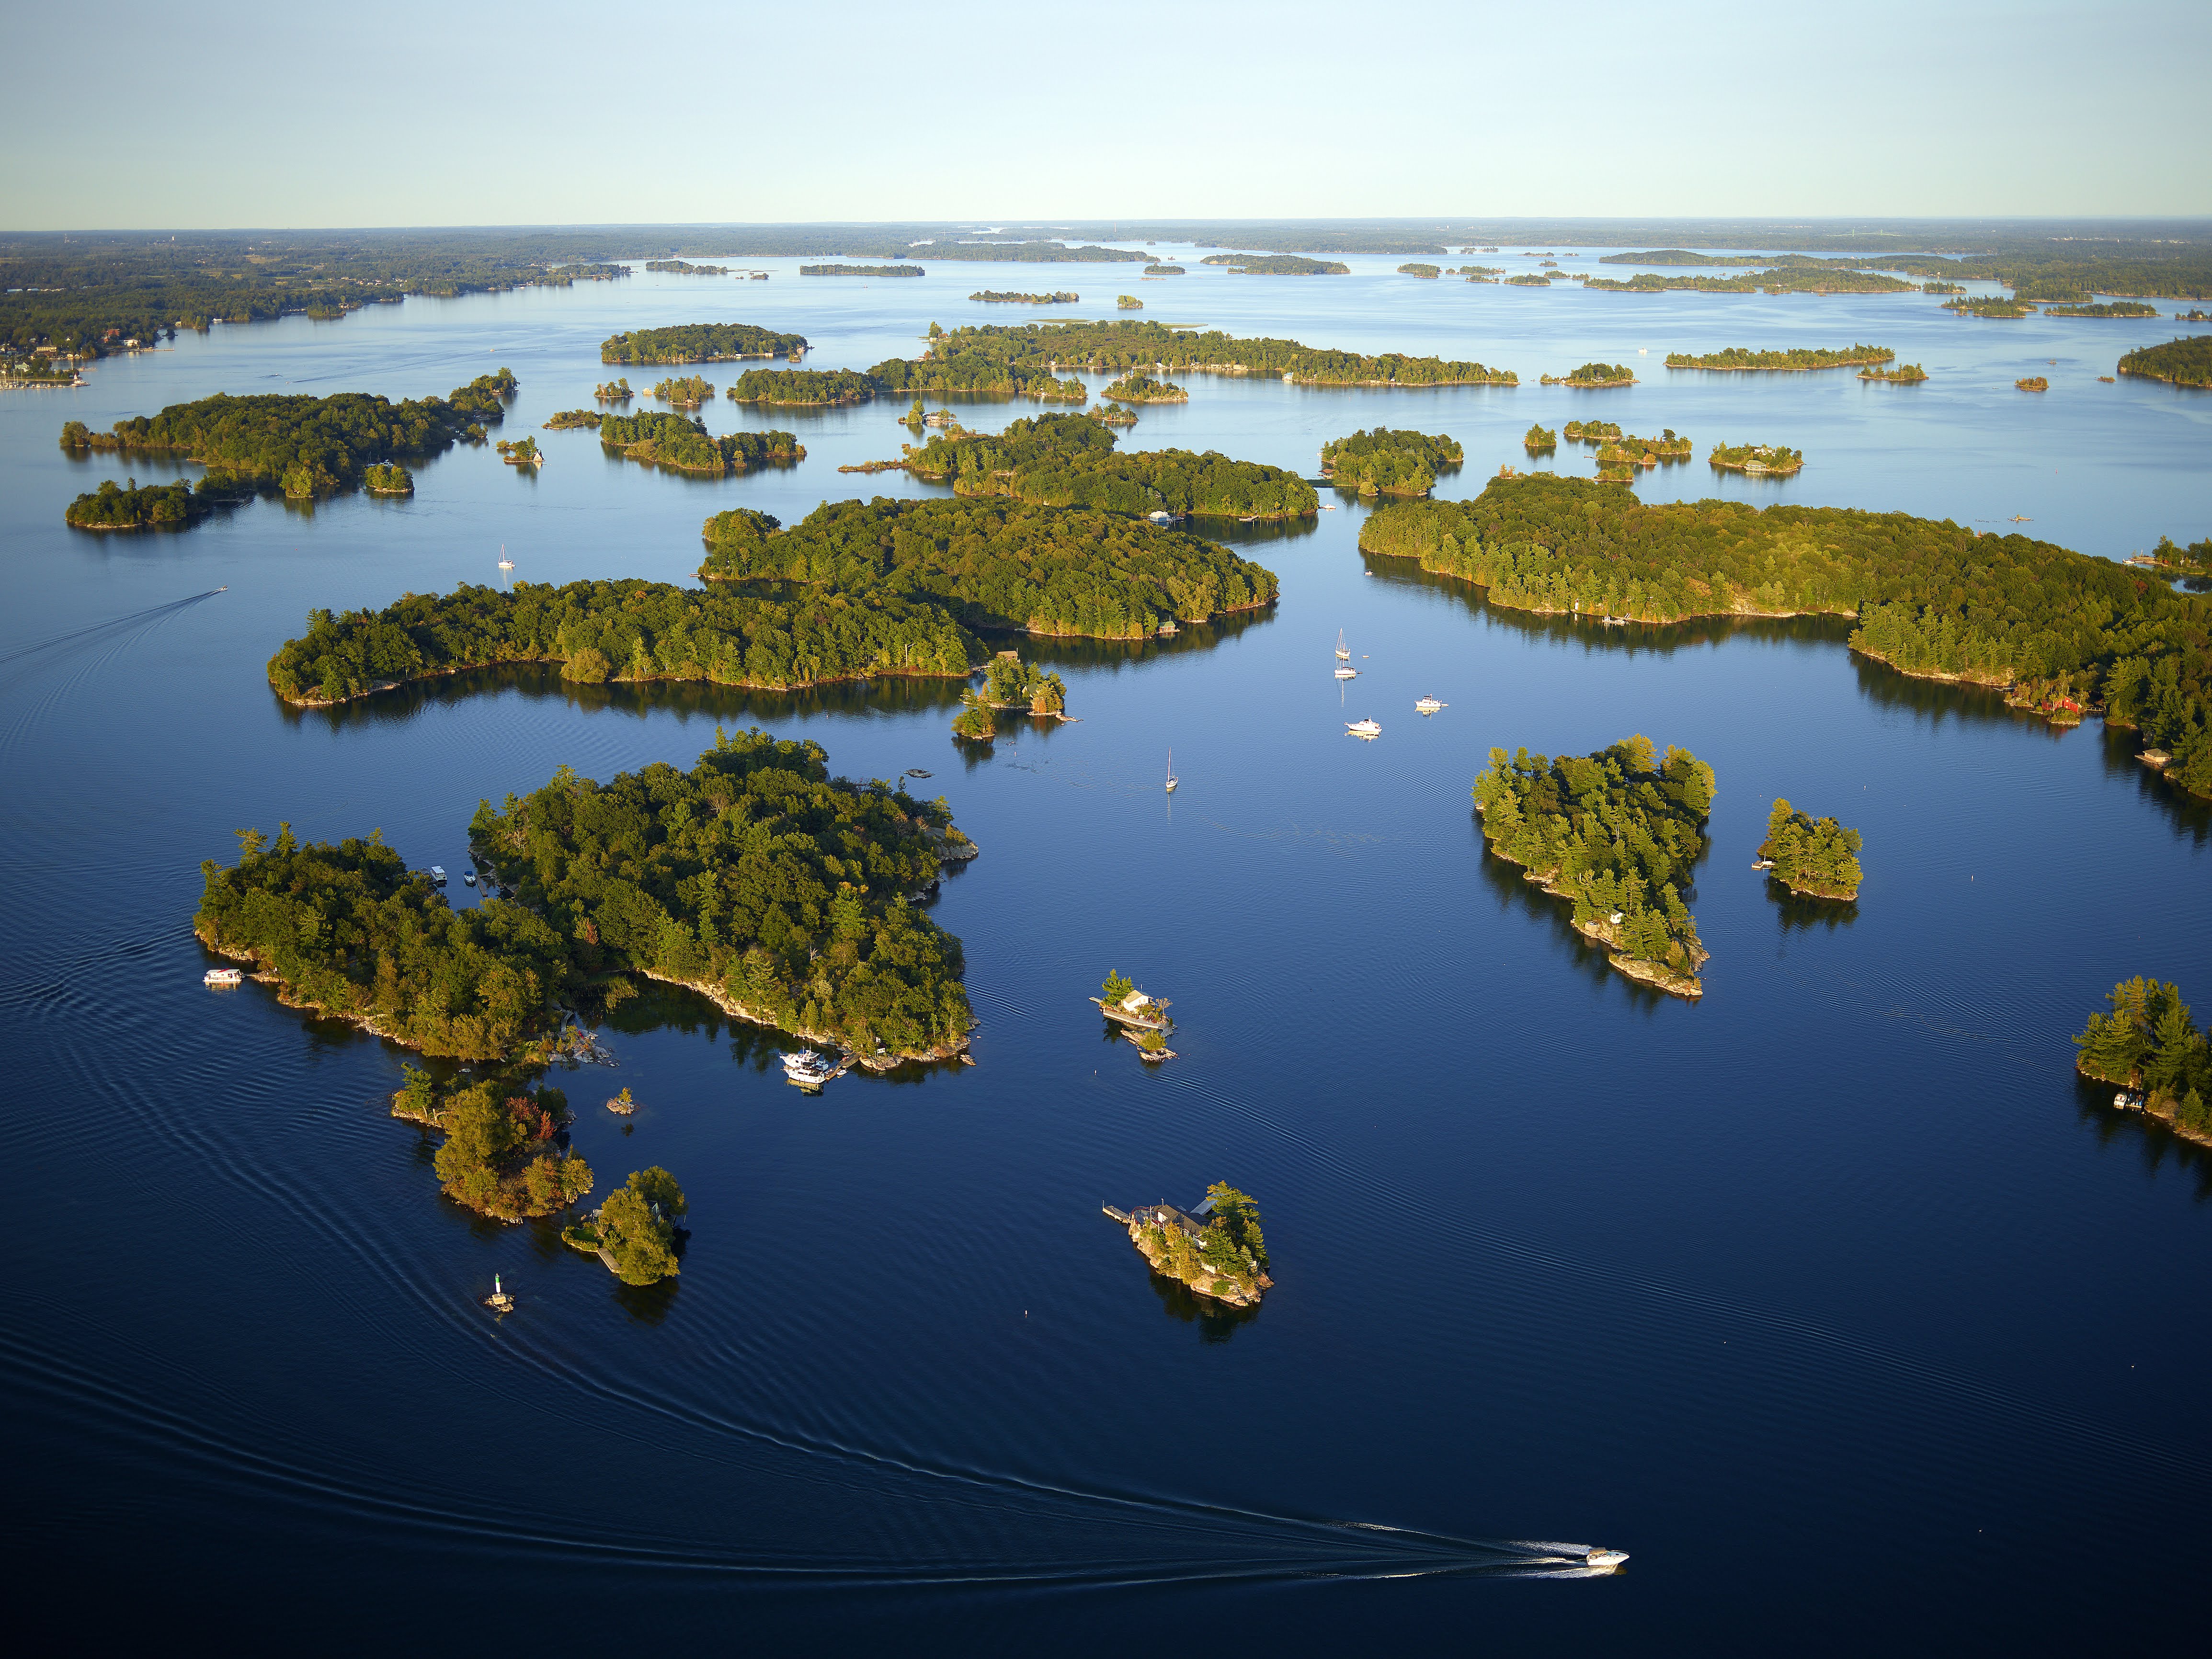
(1604, 1560)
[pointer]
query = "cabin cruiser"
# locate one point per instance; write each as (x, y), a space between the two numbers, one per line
(810, 1069)
(438, 874)
(222, 977)
(1364, 728)
(1429, 706)
(1346, 671)
(1604, 1560)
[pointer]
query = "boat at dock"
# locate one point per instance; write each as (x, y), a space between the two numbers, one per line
(1364, 728)
(810, 1068)
(1430, 705)
(438, 874)
(223, 976)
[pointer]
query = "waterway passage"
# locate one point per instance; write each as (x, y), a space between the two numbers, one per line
(1833, 1299)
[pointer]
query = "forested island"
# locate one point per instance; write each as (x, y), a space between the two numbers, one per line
(1539, 437)
(1619, 833)
(687, 390)
(1070, 460)
(862, 270)
(1136, 388)
(1429, 272)
(616, 390)
(1478, 273)
(1164, 271)
(999, 566)
(305, 446)
(1799, 358)
(1111, 414)
(684, 268)
(1021, 360)
(674, 440)
(1276, 265)
(567, 420)
(1216, 1249)
(1813, 858)
(699, 342)
(1792, 277)
(1527, 279)
(1010, 686)
(1386, 463)
(1903, 374)
(2118, 308)
(2149, 1045)
(1756, 458)
(388, 478)
(2059, 631)
(1593, 374)
(2033, 383)
(805, 387)
(1128, 302)
(2193, 315)
(134, 505)
(755, 878)
(2185, 361)
(1061, 298)
(635, 1231)
(1592, 432)
(1996, 307)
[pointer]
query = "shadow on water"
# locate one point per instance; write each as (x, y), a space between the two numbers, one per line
(1796, 915)
(1216, 1322)
(2190, 815)
(2158, 1142)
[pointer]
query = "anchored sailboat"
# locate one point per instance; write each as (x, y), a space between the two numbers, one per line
(1172, 779)
(1343, 651)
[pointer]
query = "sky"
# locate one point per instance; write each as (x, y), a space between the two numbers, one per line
(705, 111)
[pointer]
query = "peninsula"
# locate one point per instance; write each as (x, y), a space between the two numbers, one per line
(818, 388)
(699, 342)
(1021, 360)
(2058, 631)
(686, 444)
(2185, 361)
(1068, 460)
(1593, 374)
(1619, 833)
(1756, 458)
(1386, 463)
(2150, 1047)
(1061, 298)
(1741, 358)
(1214, 1247)
(1815, 858)
(306, 448)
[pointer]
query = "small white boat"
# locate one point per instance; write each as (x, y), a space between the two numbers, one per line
(1346, 671)
(1604, 1560)
(1762, 864)
(1364, 728)
(1343, 651)
(438, 874)
(505, 563)
(1430, 705)
(1172, 779)
(468, 878)
(223, 976)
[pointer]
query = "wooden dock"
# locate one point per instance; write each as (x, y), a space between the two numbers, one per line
(1121, 1216)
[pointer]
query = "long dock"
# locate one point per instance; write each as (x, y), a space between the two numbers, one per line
(1121, 1216)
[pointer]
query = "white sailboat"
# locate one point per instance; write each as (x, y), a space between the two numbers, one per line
(1172, 779)
(1343, 651)
(505, 563)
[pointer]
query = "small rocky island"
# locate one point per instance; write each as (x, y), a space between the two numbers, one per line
(2150, 1049)
(1128, 302)
(1813, 858)
(1136, 388)
(1012, 686)
(635, 1231)
(1539, 437)
(1592, 374)
(1214, 1247)
(1143, 1019)
(2034, 383)
(1772, 459)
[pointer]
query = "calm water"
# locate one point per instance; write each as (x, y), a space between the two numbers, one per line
(1834, 1299)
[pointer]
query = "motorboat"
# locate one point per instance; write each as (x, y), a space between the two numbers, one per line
(1345, 671)
(810, 1069)
(438, 874)
(1604, 1560)
(468, 878)
(223, 976)
(1364, 728)
(1430, 705)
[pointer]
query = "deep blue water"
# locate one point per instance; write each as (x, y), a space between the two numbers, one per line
(1833, 1299)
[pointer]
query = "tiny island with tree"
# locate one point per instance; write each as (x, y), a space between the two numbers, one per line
(1215, 1248)
(1138, 388)
(1593, 374)
(2151, 1050)
(1902, 374)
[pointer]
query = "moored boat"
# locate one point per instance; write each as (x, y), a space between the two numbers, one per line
(1364, 728)
(1346, 671)
(1172, 779)
(223, 976)
(811, 1069)
(1343, 651)
(1430, 705)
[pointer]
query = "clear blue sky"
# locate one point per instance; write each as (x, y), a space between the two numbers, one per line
(257, 114)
